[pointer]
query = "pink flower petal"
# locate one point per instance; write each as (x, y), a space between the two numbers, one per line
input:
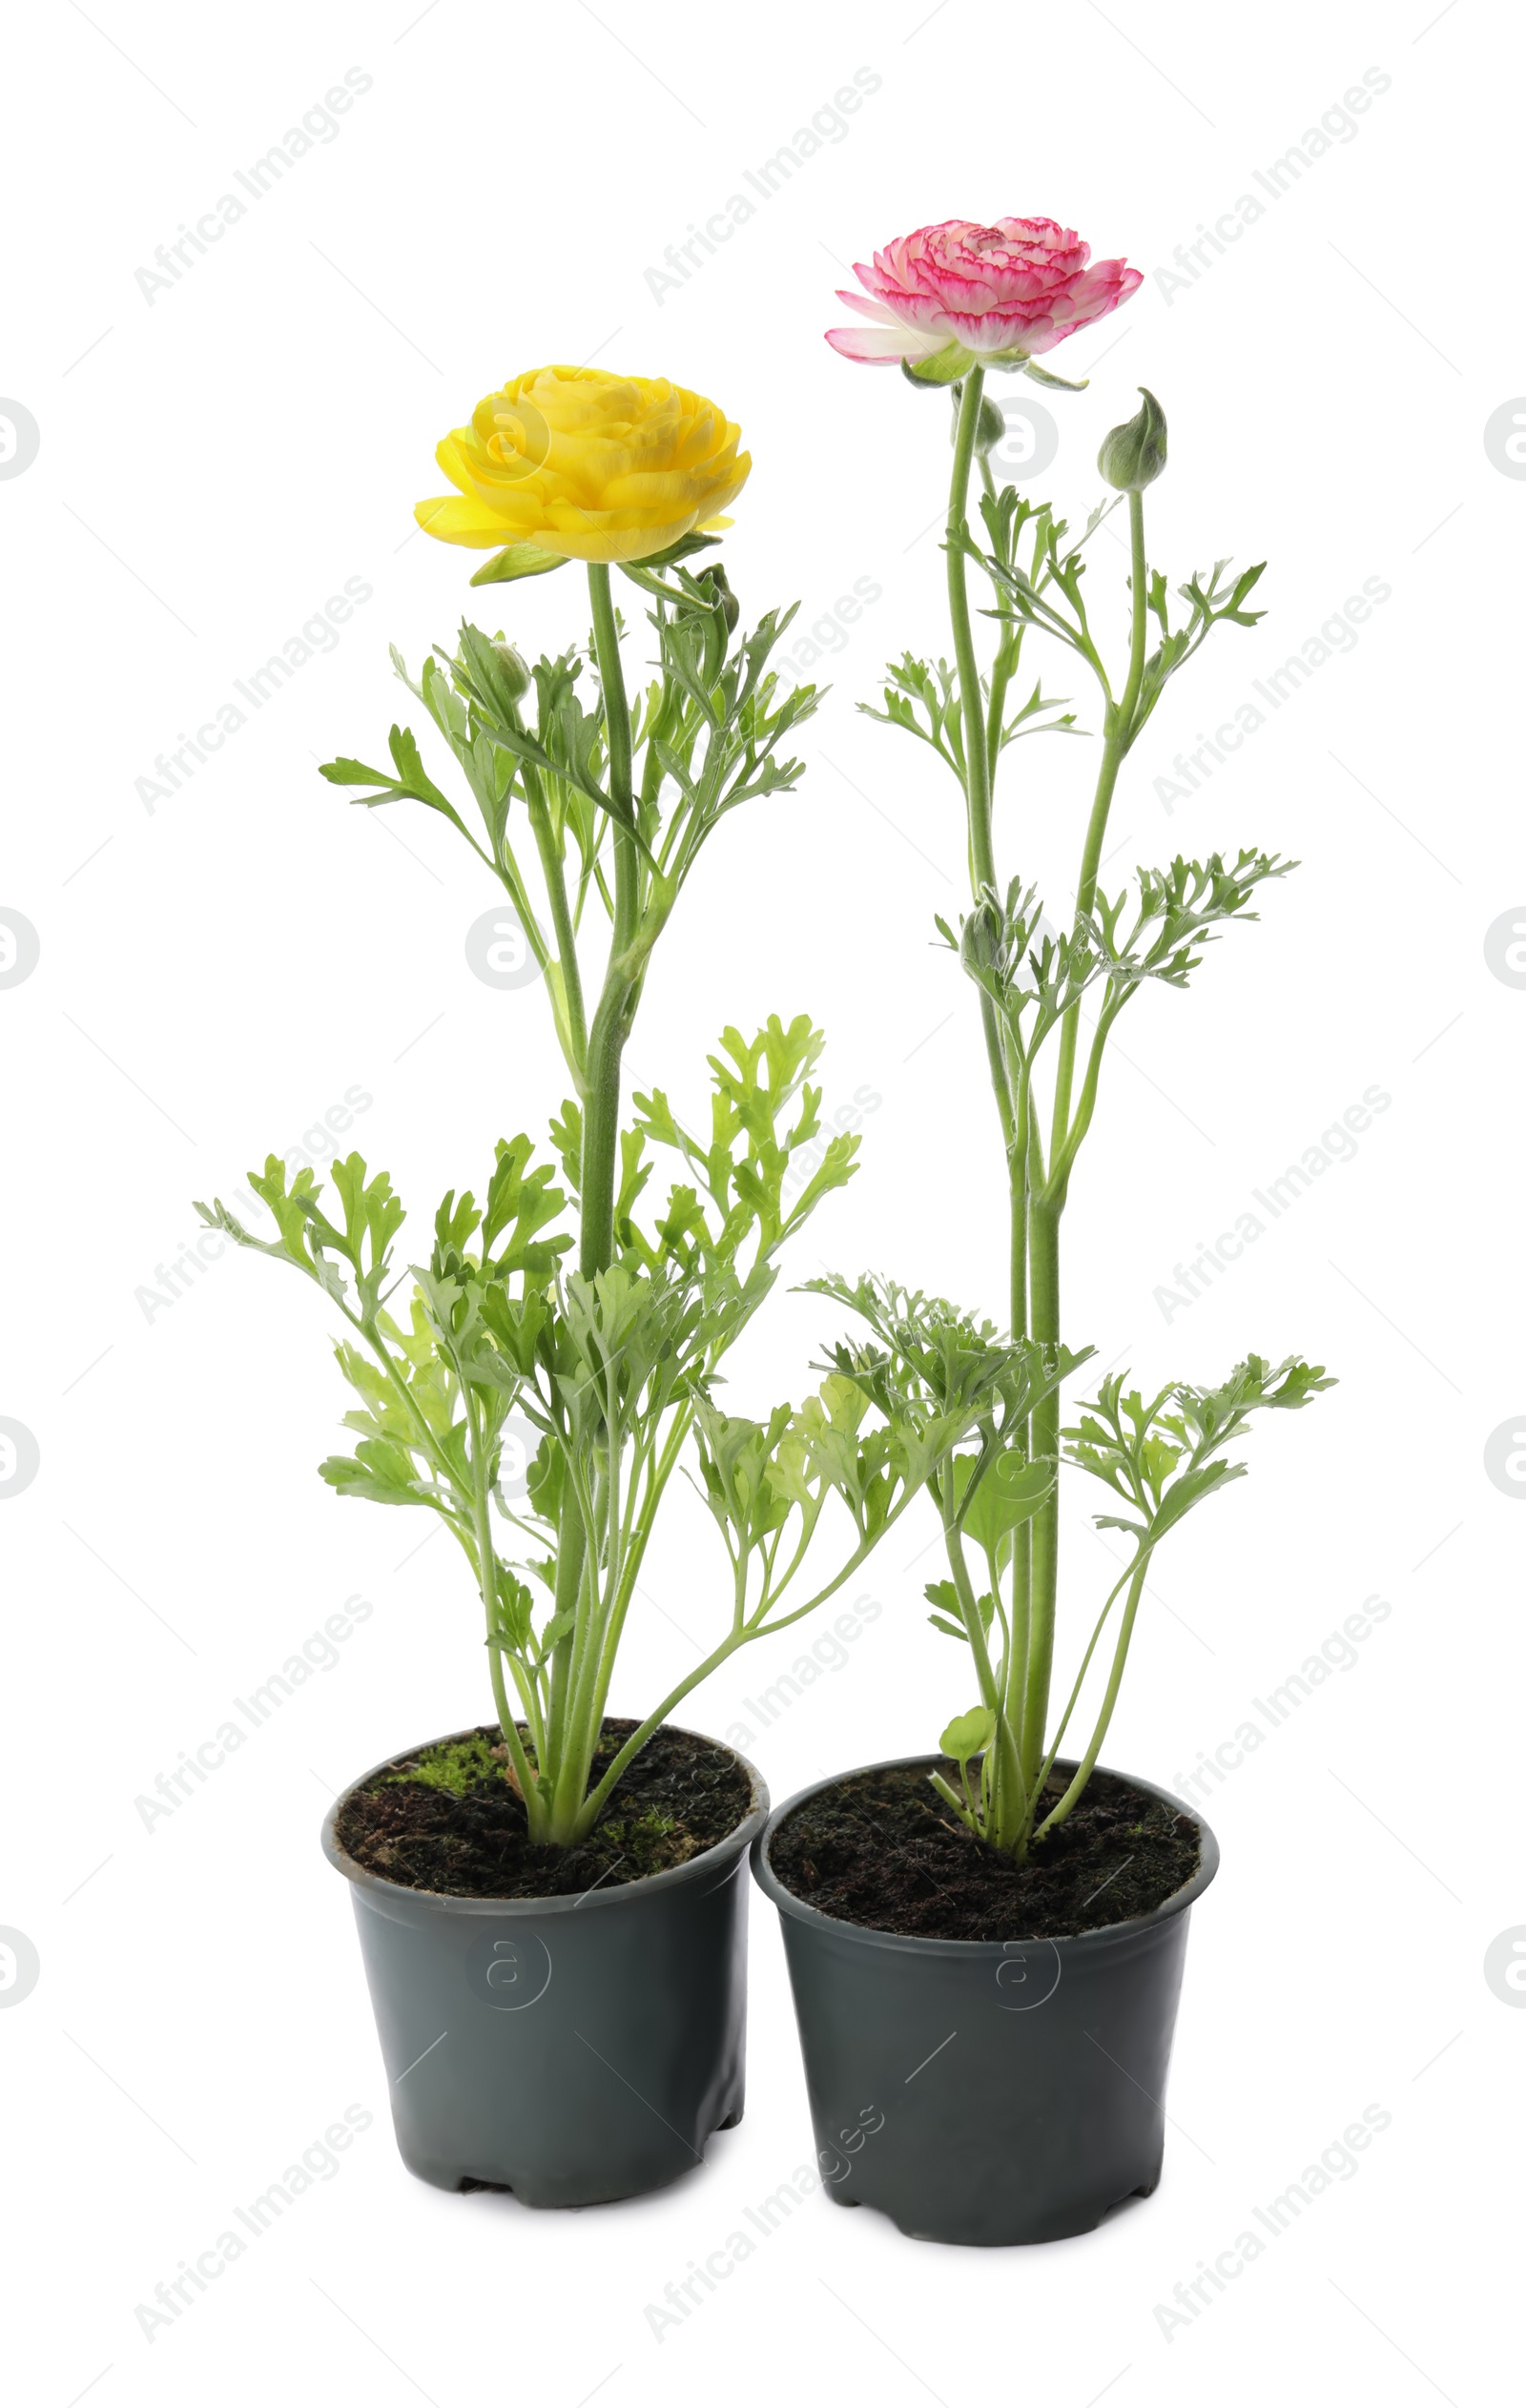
(1021, 284)
(878, 347)
(881, 315)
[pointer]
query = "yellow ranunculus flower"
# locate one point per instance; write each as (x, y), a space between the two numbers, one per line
(588, 465)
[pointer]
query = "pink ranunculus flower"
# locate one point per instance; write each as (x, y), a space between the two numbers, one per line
(962, 293)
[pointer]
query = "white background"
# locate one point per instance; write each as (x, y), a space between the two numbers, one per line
(215, 973)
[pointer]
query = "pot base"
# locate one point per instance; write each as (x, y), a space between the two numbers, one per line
(623, 2177)
(1017, 2240)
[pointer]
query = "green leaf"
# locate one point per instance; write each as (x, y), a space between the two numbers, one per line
(1132, 1446)
(380, 1474)
(521, 1202)
(411, 784)
(566, 1137)
(943, 1594)
(515, 1627)
(403, 745)
(347, 772)
(1185, 1492)
(518, 560)
(545, 1482)
(968, 1733)
(1010, 1493)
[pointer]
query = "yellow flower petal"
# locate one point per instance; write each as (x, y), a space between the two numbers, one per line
(455, 521)
(588, 465)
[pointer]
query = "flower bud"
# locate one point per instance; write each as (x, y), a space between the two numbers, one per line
(1133, 455)
(981, 934)
(990, 428)
(725, 601)
(516, 676)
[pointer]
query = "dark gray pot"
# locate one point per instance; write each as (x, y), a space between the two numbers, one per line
(986, 2091)
(574, 2049)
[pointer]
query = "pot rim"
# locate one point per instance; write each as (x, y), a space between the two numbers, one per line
(735, 1843)
(916, 1944)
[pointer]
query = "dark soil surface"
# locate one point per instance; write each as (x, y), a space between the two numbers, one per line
(883, 1850)
(445, 1819)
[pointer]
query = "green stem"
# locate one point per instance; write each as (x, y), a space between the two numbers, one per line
(1086, 1103)
(970, 1616)
(1043, 1281)
(600, 1118)
(1047, 1203)
(611, 1020)
(487, 1580)
(582, 1722)
(1007, 1798)
(657, 1477)
(585, 1717)
(1033, 1265)
(1058, 1737)
(1119, 730)
(1015, 1677)
(569, 1553)
(567, 948)
(1017, 1201)
(1084, 1770)
(600, 1123)
(978, 763)
(594, 1802)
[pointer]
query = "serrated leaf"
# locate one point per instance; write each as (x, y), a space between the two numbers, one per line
(403, 745)
(557, 1628)
(380, 1473)
(347, 773)
(1186, 1492)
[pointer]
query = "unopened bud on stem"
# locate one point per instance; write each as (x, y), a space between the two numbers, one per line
(725, 601)
(1133, 455)
(516, 676)
(990, 427)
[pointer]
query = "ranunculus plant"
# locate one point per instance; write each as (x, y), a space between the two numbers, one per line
(602, 1325)
(947, 304)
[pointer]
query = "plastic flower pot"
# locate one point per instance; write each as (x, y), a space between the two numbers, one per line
(986, 2091)
(572, 2049)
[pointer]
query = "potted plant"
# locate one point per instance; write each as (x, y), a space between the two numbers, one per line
(549, 1907)
(986, 1944)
